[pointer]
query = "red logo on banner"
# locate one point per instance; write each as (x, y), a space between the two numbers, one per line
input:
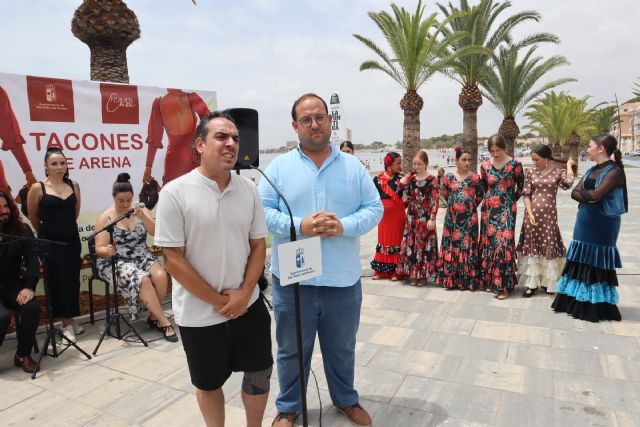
(119, 103)
(50, 100)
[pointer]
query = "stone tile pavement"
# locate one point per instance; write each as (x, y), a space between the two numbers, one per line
(425, 357)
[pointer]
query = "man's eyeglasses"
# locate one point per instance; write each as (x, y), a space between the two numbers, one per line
(307, 120)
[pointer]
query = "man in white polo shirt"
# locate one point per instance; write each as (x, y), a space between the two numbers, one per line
(210, 223)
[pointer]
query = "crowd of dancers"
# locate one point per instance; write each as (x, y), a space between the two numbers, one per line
(483, 254)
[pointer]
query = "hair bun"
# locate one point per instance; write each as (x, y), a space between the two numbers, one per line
(123, 177)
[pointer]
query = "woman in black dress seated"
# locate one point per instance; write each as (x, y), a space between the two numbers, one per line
(140, 277)
(53, 207)
(587, 289)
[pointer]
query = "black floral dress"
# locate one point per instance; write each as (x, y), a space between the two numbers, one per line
(503, 187)
(134, 262)
(458, 264)
(419, 249)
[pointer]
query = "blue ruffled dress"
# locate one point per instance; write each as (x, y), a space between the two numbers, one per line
(587, 289)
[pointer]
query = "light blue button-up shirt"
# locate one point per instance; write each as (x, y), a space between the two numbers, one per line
(343, 186)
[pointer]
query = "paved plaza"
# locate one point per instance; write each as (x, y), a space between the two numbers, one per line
(425, 357)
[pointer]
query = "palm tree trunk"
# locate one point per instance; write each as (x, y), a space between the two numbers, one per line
(509, 130)
(109, 64)
(573, 146)
(470, 99)
(411, 103)
(108, 27)
(410, 138)
(470, 134)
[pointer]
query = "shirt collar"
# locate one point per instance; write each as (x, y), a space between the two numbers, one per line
(213, 184)
(335, 153)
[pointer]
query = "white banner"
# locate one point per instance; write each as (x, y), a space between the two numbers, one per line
(338, 128)
(102, 128)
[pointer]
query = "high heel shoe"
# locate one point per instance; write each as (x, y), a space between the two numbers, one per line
(165, 329)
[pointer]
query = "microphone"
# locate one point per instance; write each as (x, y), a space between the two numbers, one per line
(139, 205)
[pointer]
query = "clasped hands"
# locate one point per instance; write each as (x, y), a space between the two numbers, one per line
(233, 303)
(321, 224)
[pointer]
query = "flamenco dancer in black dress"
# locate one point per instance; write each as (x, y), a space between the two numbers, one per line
(588, 288)
(53, 207)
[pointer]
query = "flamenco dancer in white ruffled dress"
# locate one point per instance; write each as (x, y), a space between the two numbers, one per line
(541, 252)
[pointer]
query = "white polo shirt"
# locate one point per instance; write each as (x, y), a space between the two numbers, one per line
(214, 227)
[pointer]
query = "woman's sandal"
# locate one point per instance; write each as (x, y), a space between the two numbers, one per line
(529, 293)
(165, 329)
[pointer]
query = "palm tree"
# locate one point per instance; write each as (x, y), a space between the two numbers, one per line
(471, 70)
(418, 51)
(602, 120)
(562, 118)
(108, 27)
(510, 85)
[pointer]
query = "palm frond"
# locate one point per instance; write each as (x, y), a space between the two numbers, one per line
(511, 84)
(418, 45)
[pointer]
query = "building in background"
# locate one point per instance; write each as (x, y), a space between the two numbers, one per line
(626, 131)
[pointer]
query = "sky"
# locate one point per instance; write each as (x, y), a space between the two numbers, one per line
(263, 54)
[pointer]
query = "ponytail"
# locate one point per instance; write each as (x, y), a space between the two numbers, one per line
(544, 151)
(617, 157)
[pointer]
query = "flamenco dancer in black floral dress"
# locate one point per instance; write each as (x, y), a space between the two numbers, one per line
(458, 264)
(419, 249)
(503, 180)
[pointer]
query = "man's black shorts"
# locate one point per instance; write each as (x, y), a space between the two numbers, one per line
(238, 345)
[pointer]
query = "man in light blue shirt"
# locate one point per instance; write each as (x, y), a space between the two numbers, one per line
(332, 196)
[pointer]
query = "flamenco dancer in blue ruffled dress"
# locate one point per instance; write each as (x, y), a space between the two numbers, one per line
(587, 289)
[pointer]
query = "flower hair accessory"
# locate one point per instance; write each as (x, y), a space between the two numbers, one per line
(458, 149)
(388, 161)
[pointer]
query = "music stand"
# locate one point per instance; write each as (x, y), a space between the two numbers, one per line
(113, 319)
(50, 336)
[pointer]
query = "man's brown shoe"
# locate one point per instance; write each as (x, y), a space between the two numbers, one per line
(26, 363)
(284, 420)
(357, 415)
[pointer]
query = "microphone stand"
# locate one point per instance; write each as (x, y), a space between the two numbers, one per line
(296, 294)
(40, 248)
(113, 319)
